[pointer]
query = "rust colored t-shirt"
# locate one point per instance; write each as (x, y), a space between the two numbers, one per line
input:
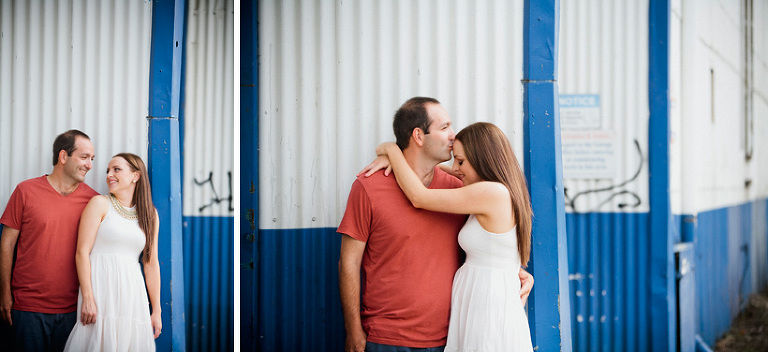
(44, 278)
(409, 261)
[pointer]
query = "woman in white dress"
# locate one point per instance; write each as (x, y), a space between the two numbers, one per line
(487, 312)
(117, 231)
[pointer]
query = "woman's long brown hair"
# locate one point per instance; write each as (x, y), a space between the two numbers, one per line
(490, 154)
(142, 199)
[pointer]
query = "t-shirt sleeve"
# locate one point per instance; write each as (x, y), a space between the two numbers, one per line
(12, 216)
(356, 222)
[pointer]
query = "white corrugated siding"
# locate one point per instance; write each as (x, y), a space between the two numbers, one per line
(760, 100)
(332, 74)
(208, 113)
(604, 51)
(71, 64)
(713, 136)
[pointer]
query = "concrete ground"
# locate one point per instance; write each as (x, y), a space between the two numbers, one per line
(749, 331)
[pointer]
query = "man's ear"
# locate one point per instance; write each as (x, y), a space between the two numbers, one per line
(418, 136)
(62, 156)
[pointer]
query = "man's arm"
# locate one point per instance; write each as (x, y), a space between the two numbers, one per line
(350, 261)
(7, 244)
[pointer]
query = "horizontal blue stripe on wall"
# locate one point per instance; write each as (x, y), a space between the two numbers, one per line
(298, 280)
(299, 307)
(209, 280)
(722, 240)
(608, 262)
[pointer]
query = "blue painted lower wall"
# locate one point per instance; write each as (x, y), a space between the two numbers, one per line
(723, 240)
(299, 306)
(608, 257)
(608, 263)
(209, 279)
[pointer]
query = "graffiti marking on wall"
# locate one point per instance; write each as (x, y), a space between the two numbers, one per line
(615, 190)
(216, 199)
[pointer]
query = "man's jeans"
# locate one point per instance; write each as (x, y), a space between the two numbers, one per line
(40, 331)
(375, 347)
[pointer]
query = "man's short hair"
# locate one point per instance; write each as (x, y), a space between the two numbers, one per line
(66, 142)
(410, 115)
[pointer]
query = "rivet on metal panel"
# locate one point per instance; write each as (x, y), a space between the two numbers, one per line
(314, 218)
(685, 266)
(580, 318)
(250, 215)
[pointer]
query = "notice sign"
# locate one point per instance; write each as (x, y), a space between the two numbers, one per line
(580, 112)
(589, 154)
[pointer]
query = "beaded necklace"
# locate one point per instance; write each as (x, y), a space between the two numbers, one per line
(123, 211)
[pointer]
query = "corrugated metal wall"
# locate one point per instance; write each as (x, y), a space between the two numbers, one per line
(723, 260)
(68, 64)
(608, 255)
(712, 133)
(604, 52)
(760, 140)
(208, 109)
(722, 156)
(208, 166)
(331, 75)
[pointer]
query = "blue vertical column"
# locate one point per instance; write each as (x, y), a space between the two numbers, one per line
(164, 163)
(249, 173)
(549, 308)
(663, 305)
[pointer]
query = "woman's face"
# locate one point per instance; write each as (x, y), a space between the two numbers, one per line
(461, 165)
(120, 176)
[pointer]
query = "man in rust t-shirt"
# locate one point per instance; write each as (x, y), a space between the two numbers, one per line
(408, 256)
(39, 298)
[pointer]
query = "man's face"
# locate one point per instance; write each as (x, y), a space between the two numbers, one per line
(438, 143)
(80, 162)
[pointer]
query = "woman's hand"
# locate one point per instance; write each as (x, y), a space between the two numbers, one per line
(157, 323)
(526, 284)
(381, 162)
(88, 311)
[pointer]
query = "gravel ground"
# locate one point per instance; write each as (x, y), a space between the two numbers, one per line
(749, 331)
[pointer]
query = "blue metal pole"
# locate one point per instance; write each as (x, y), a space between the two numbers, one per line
(663, 305)
(164, 163)
(249, 174)
(549, 307)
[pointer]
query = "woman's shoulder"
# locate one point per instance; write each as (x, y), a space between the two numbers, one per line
(492, 192)
(492, 186)
(100, 198)
(97, 207)
(99, 201)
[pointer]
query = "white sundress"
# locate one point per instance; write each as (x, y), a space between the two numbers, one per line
(486, 311)
(122, 308)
